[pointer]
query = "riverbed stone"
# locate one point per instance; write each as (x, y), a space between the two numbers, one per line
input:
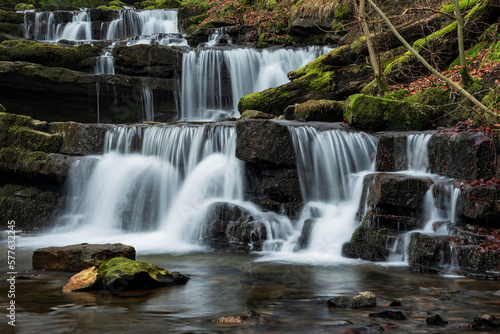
(78, 257)
(121, 274)
(390, 314)
(485, 320)
(361, 300)
(252, 318)
(85, 280)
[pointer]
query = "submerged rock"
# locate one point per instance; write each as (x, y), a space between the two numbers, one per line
(395, 315)
(121, 274)
(252, 318)
(78, 257)
(435, 320)
(486, 320)
(363, 299)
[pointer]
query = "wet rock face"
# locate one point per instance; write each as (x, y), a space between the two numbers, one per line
(367, 244)
(423, 253)
(81, 139)
(232, 228)
(480, 204)
(392, 153)
(468, 155)
(78, 257)
(396, 194)
(264, 142)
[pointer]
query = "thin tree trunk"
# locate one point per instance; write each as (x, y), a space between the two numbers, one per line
(426, 64)
(379, 76)
(464, 74)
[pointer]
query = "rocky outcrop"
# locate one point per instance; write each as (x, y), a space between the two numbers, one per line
(78, 257)
(59, 94)
(80, 139)
(479, 203)
(374, 114)
(121, 274)
(271, 178)
(232, 228)
(392, 153)
(424, 252)
(462, 153)
(368, 244)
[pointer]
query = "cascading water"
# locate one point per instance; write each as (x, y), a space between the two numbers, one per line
(418, 159)
(105, 63)
(213, 80)
(331, 165)
(156, 179)
(48, 27)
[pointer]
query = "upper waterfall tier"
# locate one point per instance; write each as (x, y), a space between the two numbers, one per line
(84, 25)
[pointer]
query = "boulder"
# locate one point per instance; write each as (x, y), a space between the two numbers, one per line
(316, 110)
(255, 114)
(395, 194)
(485, 320)
(264, 142)
(484, 257)
(231, 228)
(479, 202)
(120, 274)
(373, 113)
(78, 257)
(80, 139)
(464, 154)
(85, 280)
(363, 299)
(435, 320)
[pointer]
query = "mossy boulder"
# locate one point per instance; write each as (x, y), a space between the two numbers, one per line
(22, 6)
(121, 274)
(424, 252)
(255, 114)
(7, 121)
(11, 17)
(375, 114)
(319, 110)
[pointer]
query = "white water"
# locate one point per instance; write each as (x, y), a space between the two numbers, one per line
(417, 153)
(217, 35)
(148, 106)
(105, 63)
(245, 71)
(45, 26)
(331, 166)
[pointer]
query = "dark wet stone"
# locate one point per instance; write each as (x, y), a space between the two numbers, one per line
(363, 299)
(396, 315)
(486, 320)
(395, 303)
(435, 320)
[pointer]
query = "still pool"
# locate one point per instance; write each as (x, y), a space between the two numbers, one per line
(291, 297)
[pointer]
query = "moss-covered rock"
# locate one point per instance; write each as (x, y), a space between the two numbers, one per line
(319, 110)
(22, 6)
(375, 114)
(32, 208)
(72, 57)
(255, 114)
(33, 140)
(121, 274)
(423, 252)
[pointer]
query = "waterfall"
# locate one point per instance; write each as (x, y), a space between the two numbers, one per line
(159, 178)
(217, 35)
(214, 80)
(418, 158)
(105, 63)
(331, 166)
(48, 27)
(148, 107)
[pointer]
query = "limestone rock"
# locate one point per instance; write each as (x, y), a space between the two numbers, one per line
(85, 280)
(78, 257)
(363, 299)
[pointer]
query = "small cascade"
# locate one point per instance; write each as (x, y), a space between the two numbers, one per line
(438, 213)
(131, 23)
(214, 80)
(52, 27)
(417, 153)
(331, 166)
(219, 36)
(105, 63)
(148, 107)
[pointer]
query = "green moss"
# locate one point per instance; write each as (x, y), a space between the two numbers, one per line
(319, 110)
(432, 96)
(357, 45)
(120, 266)
(110, 7)
(262, 41)
(342, 11)
(374, 114)
(398, 95)
(464, 5)
(33, 140)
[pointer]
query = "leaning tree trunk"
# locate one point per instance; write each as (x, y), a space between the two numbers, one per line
(427, 65)
(464, 74)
